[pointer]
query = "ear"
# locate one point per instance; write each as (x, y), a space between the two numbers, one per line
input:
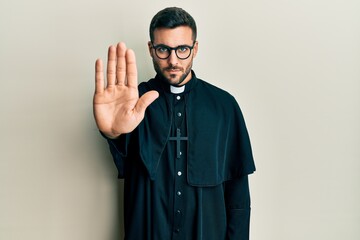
(149, 48)
(196, 48)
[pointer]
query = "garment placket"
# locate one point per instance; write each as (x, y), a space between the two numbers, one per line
(180, 167)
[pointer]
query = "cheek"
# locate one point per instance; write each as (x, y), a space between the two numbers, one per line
(160, 64)
(188, 65)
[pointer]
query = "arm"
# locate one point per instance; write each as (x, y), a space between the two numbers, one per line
(117, 107)
(118, 148)
(237, 198)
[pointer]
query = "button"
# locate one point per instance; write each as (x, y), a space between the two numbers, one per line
(179, 114)
(179, 173)
(178, 212)
(180, 153)
(177, 230)
(178, 97)
(178, 193)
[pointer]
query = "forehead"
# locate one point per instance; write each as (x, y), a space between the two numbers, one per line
(173, 37)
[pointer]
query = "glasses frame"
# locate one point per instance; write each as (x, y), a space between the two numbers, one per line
(170, 49)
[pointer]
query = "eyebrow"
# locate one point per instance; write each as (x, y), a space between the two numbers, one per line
(164, 45)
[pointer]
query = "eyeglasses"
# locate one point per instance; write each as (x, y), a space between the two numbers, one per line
(182, 52)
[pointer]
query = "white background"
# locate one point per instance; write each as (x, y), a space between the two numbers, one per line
(293, 66)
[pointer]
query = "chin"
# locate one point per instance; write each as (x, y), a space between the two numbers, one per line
(173, 80)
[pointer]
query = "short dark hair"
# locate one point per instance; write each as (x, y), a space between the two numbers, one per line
(172, 17)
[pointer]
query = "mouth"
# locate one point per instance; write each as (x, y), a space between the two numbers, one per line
(173, 70)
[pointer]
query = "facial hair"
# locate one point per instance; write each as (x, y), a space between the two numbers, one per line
(182, 77)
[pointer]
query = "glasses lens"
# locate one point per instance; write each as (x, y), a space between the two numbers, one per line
(183, 52)
(162, 52)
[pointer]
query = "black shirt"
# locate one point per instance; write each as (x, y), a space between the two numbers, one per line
(161, 202)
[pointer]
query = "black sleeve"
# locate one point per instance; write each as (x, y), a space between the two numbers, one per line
(118, 148)
(237, 198)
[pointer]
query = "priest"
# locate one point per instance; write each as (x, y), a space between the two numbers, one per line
(180, 144)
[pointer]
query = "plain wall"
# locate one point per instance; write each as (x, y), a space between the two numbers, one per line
(293, 66)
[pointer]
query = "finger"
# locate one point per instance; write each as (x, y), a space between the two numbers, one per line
(99, 76)
(111, 66)
(145, 100)
(121, 64)
(131, 69)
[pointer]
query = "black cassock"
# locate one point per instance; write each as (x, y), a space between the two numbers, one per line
(186, 166)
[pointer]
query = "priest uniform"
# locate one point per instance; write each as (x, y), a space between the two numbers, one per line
(186, 166)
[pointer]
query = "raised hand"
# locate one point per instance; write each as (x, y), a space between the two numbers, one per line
(117, 106)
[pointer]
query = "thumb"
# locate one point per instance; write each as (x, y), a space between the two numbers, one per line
(145, 100)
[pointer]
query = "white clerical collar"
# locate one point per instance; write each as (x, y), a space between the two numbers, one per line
(177, 90)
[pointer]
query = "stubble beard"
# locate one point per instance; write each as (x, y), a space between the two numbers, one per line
(172, 77)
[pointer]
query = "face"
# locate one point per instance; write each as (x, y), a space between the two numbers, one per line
(176, 71)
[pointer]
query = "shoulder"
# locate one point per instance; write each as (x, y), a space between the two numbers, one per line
(146, 86)
(210, 91)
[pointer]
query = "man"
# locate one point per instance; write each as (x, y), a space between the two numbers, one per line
(182, 147)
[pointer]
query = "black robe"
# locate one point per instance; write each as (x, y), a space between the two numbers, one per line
(202, 194)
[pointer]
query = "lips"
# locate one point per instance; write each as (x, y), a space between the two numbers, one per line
(173, 70)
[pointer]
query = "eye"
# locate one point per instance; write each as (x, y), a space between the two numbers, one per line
(162, 49)
(183, 49)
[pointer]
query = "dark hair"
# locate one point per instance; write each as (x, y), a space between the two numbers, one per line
(172, 17)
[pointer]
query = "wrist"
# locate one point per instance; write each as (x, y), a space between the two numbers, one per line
(110, 135)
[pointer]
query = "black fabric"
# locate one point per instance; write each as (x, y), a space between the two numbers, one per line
(237, 201)
(214, 203)
(216, 130)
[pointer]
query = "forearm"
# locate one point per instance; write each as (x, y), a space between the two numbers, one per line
(118, 148)
(237, 197)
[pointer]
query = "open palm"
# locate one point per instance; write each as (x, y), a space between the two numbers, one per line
(117, 106)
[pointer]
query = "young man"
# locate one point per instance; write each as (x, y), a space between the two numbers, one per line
(182, 147)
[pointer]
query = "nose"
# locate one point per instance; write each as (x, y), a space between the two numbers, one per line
(173, 59)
